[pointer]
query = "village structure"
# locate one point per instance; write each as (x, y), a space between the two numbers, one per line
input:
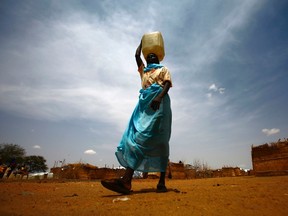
(267, 160)
(270, 159)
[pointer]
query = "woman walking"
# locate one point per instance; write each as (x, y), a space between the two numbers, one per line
(145, 143)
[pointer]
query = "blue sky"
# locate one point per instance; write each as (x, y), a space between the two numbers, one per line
(69, 82)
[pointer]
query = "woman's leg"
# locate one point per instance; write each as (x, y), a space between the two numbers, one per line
(127, 178)
(162, 178)
(161, 184)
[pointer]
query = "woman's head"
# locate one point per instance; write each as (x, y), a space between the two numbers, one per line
(152, 58)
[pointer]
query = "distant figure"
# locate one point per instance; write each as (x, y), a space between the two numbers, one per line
(145, 144)
(22, 171)
(11, 166)
(3, 169)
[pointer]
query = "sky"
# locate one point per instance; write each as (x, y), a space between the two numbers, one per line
(69, 80)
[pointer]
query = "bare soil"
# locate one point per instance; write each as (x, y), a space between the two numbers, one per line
(215, 196)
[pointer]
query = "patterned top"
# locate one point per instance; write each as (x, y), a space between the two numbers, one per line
(159, 76)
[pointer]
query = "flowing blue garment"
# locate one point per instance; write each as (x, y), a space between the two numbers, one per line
(145, 142)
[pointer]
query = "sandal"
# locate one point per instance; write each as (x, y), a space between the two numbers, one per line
(115, 185)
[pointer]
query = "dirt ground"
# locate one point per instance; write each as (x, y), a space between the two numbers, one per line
(215, 196)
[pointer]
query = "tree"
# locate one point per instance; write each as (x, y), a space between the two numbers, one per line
(35, 163)
(11, 153)
(198, 166)
(14, 156)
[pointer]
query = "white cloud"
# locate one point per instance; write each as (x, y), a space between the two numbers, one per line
(90, 152)
(213, 87)
(221, 90)
(269, 132)
(37, 147)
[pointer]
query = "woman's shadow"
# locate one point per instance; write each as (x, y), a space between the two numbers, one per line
(143, 191)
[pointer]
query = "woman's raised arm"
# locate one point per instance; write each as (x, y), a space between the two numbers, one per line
(138, 55)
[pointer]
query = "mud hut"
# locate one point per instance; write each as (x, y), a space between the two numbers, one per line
(270, 159)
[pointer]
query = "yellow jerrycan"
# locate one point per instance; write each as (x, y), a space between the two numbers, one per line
(153, 43)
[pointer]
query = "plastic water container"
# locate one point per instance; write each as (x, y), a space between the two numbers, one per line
(153, 43)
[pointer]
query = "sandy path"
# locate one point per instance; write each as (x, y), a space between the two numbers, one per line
(215, 196)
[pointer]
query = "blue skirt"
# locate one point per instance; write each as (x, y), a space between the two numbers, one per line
(145, 143)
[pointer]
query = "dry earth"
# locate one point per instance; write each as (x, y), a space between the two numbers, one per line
(216, 196)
